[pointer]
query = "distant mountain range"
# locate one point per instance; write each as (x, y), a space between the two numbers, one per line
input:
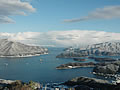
(16, 49)
(107, 48)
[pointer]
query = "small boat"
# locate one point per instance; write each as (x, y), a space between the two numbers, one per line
(6, 64)
(41, 60)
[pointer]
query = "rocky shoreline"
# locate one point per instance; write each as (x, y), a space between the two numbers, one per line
(105, 66)
(105, 69)
(76, 65)
(18, 85)
(87, 83)
(108, 68)
(78, 83)
(103, 59)
(23, 56)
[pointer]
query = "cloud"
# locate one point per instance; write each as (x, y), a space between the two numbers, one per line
(13, 7)
(62, 38)
(108, 12)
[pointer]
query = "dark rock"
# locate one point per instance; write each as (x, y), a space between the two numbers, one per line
(82, 87)
(106, 69)
(90, 83)
(105, 59)
(18, 85)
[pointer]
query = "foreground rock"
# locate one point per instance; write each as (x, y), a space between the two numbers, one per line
(16, 49)
(18, 85)
(2, 81)
(86, 83)
(100, 49)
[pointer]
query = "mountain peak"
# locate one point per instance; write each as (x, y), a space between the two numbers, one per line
(12, 48)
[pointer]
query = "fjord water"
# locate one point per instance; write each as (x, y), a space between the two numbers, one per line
(31, 68)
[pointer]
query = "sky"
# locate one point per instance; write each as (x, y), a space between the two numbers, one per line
(23, 18)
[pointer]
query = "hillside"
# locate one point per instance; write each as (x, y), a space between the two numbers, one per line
(16, 49)
(105, 49)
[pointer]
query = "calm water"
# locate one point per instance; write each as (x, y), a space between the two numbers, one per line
(31, 68)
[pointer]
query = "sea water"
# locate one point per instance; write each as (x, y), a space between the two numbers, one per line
(40, 68)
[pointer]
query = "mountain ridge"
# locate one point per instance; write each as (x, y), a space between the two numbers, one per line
(100, 49)
(16, 49)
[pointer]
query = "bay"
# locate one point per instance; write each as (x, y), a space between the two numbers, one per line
(40, 68)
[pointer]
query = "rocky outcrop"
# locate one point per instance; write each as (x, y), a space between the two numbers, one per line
(100, 49)
(18, 85)
(107, 68)
(2, 81)
(90, 84)
(16, 49)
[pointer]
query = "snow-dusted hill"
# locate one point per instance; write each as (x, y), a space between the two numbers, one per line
(104, 48)
(16, 49)
(107, 48)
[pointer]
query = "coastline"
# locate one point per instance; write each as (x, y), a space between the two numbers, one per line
(23, 56)
(74, 67)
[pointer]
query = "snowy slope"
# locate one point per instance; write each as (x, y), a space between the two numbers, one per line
(10, 48)
(100, 49)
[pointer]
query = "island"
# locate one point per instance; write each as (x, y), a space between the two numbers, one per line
(76, 65)
(16, 49)
(105, 69)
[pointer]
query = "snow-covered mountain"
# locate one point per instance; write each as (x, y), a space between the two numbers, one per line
(16, 49)
(107, 48)
(104, 48)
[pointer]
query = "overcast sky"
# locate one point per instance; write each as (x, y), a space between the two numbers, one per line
(44, 17)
